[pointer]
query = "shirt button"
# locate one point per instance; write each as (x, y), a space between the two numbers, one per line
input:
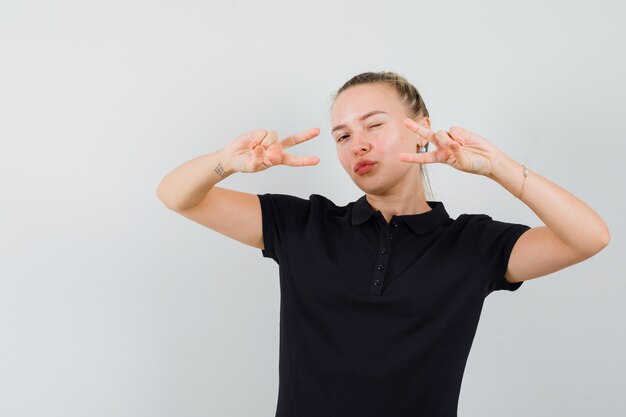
(383, 250)
(394, 223)
(377, 282)
(380, 267)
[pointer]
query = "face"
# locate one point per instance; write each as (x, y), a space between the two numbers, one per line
(368, 126)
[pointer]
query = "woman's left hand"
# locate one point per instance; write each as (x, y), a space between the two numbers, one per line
(458, 147)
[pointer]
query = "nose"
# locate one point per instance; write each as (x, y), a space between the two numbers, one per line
(360, 144)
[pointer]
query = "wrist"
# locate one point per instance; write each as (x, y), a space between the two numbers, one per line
(510, 174)
(224, 164)
(502, 167)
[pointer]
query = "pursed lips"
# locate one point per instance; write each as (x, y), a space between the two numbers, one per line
(363, 163)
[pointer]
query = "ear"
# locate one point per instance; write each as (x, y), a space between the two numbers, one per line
(423, 120)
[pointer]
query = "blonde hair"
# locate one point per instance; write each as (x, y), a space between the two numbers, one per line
(407, 93)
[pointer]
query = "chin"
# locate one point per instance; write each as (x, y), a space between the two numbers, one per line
(369, 188)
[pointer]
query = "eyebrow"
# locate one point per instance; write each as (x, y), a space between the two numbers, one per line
(365, 116)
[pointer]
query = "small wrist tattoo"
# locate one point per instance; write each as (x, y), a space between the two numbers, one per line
(220, 170)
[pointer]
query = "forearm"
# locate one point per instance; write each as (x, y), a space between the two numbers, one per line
(189, 183)
(571, 220)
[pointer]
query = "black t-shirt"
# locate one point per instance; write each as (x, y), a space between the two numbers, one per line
(376, 318)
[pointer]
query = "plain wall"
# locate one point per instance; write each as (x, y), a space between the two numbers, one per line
(113, 305)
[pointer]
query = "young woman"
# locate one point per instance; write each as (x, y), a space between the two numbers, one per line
(380, 298)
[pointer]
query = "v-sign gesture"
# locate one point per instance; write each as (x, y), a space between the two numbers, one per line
(459, 148)
(259, 149)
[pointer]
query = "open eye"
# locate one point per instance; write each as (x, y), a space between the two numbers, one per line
(340, 138)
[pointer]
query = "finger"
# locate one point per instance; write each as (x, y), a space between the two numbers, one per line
(461, 135)
(441, 139)
(457, 134)
(421, 130)
(299, 161)
(459, 159)
(299, 137)
(271, 137)
(256, 136)
(468, 137)
(255, 160)
(419, 158)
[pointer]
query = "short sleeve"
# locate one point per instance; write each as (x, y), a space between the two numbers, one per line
(494, 241)
(282, 215)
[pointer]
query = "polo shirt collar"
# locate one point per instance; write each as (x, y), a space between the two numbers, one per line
(420, 223)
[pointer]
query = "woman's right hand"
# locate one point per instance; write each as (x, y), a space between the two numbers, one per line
(259, 149)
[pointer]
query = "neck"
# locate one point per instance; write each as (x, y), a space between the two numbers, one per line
(398, 203)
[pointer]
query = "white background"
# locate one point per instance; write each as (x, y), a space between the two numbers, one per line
(113, 305)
